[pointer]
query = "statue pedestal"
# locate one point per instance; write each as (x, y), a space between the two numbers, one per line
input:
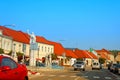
(32, 58)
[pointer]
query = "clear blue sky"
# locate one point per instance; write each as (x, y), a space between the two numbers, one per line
(74, 23)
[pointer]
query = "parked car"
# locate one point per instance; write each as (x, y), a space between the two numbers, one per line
(117, 69)
(79, 65)
(96, 65)
(112, 67)
(10, 70)
(109, 65)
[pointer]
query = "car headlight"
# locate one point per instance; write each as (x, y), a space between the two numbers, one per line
(82, 66)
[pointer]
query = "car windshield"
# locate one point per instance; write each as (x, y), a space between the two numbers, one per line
(95, 63)
(118, 65)
(114, 64)
(79, 63)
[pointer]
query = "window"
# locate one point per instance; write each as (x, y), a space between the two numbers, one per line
(45, 49)
(42, 48)
(24, 48)
(8, 62)
(48, 49)
(51, 50)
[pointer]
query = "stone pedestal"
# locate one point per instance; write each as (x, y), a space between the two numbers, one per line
(32, 58)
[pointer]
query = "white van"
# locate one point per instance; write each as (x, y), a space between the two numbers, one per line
(96, 65)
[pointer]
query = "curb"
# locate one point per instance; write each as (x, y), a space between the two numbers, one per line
(33, 73)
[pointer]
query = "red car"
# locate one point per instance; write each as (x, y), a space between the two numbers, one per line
(10, 70)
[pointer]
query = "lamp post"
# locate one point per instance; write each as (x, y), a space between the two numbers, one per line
(38, 51)
(63, 57)
(14, 56)
(13, 25)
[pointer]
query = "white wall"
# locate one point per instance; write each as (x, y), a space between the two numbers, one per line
(44, 50)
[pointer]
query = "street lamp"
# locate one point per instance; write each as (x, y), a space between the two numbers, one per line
(13, 25)
(38, 51)
(14, 56)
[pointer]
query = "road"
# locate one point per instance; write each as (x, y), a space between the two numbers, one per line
(89, 74)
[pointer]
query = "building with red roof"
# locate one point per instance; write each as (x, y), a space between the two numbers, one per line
(106, 55)
(86, 55)
(103, 54)
(58, 48)
(20, 42)
(70, 53)
(71, 57)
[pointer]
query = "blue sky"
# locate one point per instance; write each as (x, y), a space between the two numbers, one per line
(74, 23)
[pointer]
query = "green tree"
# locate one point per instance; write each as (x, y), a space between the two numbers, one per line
(53, 56)
(102, 60)
(20, 56)
(1, 51)
(80, 59)
(115, 52)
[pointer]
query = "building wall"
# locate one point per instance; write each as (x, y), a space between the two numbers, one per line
(112, 57)
(44, 50)
(17, 46)
(27, 51)
(6, 43)
(21, 47)
(88, 61)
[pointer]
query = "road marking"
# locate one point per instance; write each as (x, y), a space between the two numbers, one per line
(97, 77)
(107, 77)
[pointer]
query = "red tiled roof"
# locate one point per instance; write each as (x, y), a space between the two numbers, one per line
(84, 54)
(81, 54)
(42, 40)
(103, 54)
(21, 36)
(58, 48)
(16, 35)
(70, 53)
(93, 55)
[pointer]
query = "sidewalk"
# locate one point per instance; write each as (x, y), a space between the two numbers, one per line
(39, 70)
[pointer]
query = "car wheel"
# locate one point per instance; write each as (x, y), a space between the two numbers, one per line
(26, 78)
(83, 69)
(75, 69)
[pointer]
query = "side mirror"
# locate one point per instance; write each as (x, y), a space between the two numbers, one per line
(6, 68)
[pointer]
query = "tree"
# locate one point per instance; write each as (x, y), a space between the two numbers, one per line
(1, 51)
(53, 56)
(115, 52)
(20, 56)
(80, 59)
(102, 60)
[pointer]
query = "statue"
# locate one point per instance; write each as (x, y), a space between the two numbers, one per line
(33, 44)
(33, 48)
(32, 37)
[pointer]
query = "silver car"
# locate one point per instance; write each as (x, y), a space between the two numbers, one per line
(112, 67)
(79, 65)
